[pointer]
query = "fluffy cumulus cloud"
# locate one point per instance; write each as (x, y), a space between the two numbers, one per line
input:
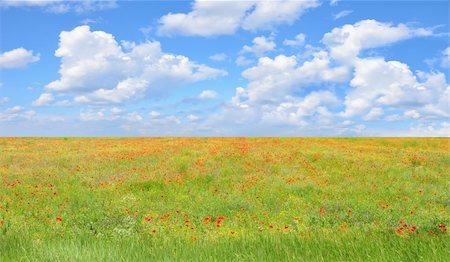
(346, 42)
(261, 45)
(209, 18)
(17, 58)
(380, 83)
(62, 6)
(271, 80)
(97, 69)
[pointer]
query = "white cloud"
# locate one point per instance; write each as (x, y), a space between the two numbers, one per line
(17, 58)
(209, 18)
(208, 94)
(134, 117)
(218, 57)
(267, 14)
(380, 83)
(192, 117)
(393, 118)
(412, 114)
(154, 114)
(62, 6)
(298, 41)
(116, 110)
(43, 99)
(294, 110)
(273, 79)
(276, 93)
(342, 14)
(430, 130)
(92, 115)
(260, 45)
(346, 42)
(374, 114)
(96, 68)
(334, 2)
(125, 90)
(243, 61)
(16, 113)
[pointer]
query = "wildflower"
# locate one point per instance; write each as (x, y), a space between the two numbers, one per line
(443, 228)
(58, 218)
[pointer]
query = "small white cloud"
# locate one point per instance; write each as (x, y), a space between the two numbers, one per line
(218, 57)
(116, 110)
(374, 114)
(334, 2)
(88, 21)
(412, 114)
(192, 117)
(133, 117)
(63, 103)
(208, 94)
(44, 99)
(243, 61)
(17, 58)
(16, 113)
(261, 44)
(92, 115)
(298, 41)
(393, 118)
(154, 114)
(342, 14)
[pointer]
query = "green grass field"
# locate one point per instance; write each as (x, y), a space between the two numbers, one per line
(222, 199)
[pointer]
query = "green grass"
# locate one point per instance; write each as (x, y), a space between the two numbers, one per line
(222, 199)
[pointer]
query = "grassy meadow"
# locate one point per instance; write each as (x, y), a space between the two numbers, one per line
(222, 199)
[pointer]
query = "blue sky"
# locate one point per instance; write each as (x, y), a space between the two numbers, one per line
(224, 68)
